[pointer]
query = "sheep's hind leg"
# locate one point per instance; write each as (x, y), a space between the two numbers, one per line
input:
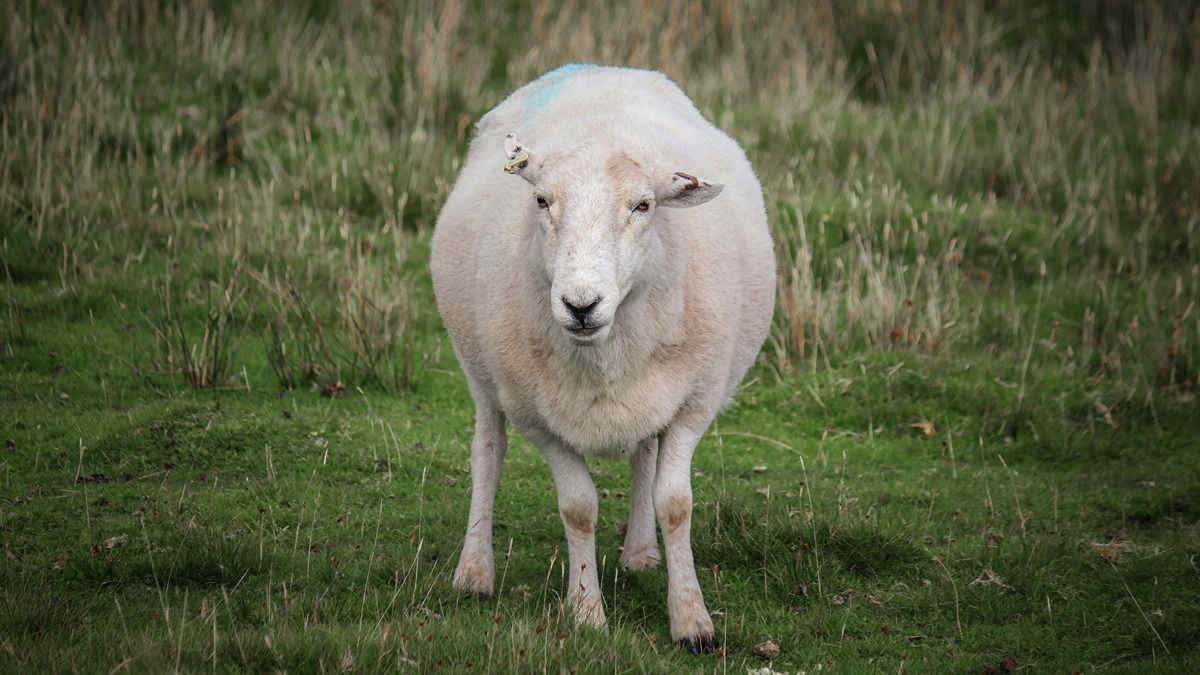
(476, 571)
(691, 625)
(577, 506)
(641, 543)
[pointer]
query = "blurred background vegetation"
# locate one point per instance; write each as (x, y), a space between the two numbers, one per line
(930, 166)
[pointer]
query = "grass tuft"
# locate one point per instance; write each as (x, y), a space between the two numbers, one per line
(204, 359)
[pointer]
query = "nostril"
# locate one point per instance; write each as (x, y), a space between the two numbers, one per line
(580, 311)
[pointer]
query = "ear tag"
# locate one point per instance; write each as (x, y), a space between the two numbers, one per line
(693, 182)
(517, 163)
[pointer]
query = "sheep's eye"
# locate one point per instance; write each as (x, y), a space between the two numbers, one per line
(542, 203)
(642, 206)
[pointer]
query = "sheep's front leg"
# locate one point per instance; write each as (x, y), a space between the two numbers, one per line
(691, 625)
(641, 544)
(577, 507)
(476, 570)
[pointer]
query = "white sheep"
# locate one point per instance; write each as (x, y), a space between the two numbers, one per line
(599, 316)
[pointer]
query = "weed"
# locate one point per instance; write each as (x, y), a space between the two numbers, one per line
(204, 360)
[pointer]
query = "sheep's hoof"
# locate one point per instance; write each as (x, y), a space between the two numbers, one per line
(469, 588)
(473, 591)
(701, 644)
(589, 614)
(473, 579)
(642, 560)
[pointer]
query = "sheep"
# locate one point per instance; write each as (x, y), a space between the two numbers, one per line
(608, 304)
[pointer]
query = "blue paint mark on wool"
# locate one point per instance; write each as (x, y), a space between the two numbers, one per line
(549, 86)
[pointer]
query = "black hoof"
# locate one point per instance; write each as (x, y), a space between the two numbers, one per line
(701, 644)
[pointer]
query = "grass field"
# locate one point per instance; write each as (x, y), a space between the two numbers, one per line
(236, 438)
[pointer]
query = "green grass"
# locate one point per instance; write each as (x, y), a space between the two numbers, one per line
(970, 443)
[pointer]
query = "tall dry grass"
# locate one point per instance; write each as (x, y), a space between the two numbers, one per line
(922, 161)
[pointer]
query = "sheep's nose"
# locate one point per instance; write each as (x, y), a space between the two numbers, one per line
(580, 311)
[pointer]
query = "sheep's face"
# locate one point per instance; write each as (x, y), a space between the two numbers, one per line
(596, 231)
(595, 236)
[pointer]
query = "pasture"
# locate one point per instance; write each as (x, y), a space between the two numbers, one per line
(235, 436)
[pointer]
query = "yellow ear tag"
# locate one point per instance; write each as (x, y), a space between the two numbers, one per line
(517, 163)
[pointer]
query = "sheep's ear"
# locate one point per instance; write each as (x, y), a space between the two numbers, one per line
(683, 189)
(519, 159)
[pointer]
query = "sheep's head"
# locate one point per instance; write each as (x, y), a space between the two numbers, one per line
(596, 213)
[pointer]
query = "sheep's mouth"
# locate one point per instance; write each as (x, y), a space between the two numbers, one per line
(584, 334)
